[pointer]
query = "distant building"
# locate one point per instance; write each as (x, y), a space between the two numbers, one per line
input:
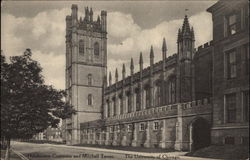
(53, 134)
(50, 134)
(39, 136)
(186, 101)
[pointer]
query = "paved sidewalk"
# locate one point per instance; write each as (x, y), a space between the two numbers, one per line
(166, 155)
(172, 154)
(178, 155)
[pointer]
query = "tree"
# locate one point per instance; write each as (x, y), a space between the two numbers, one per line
(28, 106)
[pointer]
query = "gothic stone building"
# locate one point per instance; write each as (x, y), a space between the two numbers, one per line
(184, 102)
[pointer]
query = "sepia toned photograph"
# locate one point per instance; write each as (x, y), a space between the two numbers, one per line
(125, 80)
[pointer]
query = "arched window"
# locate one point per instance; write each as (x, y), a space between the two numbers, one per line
(108, 108)
(138, 100)
(96, 49)
(147, 97)
(114, 106)
(89, 79)
(129, 105)
(158, 95)
(172, 90)
(81, 47)
(90, 99)
(121, 104)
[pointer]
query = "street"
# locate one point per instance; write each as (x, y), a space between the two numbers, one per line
(63, 152)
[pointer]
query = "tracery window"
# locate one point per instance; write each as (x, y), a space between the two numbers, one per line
(147, 96)
(121, 104)
(96, 49)
(158, 95)
(129, 105)
(81, 47)
(108, 109)
(138, 101)
(172, 91)
(114, 106)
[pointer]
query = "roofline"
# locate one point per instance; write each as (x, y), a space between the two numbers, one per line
(211, 8)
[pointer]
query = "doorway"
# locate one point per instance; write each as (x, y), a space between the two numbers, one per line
(200, 134)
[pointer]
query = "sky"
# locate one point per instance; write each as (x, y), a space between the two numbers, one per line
(133, 26)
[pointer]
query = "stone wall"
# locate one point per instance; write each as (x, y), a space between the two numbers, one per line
(173, 129)
(223, 43)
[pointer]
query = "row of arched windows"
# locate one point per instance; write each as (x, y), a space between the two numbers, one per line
(170, 97)
(82, 48)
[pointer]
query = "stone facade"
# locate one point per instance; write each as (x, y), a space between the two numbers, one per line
(167, 126)
(179, 102)
(86, 63)
(230, 122)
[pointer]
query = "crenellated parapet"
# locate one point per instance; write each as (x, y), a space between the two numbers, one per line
(87, 22)
(196, 103)
(159, 126)
(159, 112)
(196, 107)
(202, 49)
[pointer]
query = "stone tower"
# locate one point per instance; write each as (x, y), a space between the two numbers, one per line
(185, 72)
(86, 65)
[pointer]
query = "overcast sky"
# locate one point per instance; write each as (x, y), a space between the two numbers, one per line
(40, 26)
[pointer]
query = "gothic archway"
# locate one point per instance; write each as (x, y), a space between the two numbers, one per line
(200, 134)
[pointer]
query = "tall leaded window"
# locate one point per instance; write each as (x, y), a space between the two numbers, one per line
(231, 64)
(129, 105)
(108, 109)
(114, 106)
(158, 95)
(246, 106)
(90, 99)
(147, 96)
(172, 91)
(121, 105)
(231, 107)
(138, 101)
(89, 79)
(81, 47)
(96, 48)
